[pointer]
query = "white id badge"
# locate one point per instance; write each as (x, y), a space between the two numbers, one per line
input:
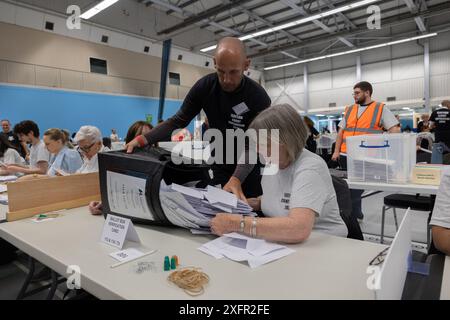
(241, 108)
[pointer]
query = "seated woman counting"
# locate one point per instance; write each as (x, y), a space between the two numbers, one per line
(63, 158)
(90, 143)
(8, 155)
(298, 197)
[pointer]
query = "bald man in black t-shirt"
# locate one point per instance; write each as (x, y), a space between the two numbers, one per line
(230, 100)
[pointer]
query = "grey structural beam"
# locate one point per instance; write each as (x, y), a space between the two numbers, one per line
(182, 5)
(426, 87)
(305, 88)
(303, 12)
(201, 16)
(414, 9)
(387, 22)
(358, 68)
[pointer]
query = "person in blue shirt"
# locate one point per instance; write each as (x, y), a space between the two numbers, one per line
(64, 158)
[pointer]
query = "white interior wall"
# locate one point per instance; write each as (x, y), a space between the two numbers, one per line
(35, 19)
(396, 71)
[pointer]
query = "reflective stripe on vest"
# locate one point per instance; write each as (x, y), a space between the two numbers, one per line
(373, 126)
(372, 122)
(375, 115)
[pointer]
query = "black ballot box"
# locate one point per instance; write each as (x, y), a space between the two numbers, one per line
(130, 184)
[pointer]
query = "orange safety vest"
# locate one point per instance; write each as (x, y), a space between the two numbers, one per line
(368, 123)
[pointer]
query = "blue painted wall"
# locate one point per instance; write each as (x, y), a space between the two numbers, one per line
(407, 122)
(70, 110)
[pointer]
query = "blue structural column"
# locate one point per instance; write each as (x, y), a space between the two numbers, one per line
(167, 44)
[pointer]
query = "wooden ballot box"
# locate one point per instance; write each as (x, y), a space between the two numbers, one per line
(27, 198)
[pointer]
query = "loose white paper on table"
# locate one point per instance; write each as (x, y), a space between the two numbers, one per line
(117, 229)
(275, 255)
(188, 191)
(126, 195)
(38, 220)
(210, 252)
(3, 188)
(215, 195)
(8, 178)
(239, 247)
(127, 254)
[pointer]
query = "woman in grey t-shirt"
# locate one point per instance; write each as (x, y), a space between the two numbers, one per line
(299, 196)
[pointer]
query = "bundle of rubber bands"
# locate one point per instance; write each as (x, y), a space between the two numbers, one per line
(192, 280)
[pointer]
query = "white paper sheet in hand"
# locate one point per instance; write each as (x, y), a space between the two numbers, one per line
(187, 191)
(216, 195)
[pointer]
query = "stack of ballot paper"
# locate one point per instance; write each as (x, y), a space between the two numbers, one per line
(3, 199)
(193, 208)
(8, 178)
(239, 247)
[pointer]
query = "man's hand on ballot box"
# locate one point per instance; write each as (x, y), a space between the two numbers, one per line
(139, 141)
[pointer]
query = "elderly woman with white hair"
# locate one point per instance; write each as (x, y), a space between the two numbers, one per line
(90, 143)
(299, 197)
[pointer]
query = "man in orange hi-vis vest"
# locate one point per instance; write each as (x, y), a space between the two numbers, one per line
(366, 116)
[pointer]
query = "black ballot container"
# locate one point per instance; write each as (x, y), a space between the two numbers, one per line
(130, 183)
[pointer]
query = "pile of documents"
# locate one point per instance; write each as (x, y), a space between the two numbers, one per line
(193, 208)
(8, 178)
(238, 247)
(3, 199)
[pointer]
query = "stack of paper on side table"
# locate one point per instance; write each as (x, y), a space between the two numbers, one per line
(239, 247)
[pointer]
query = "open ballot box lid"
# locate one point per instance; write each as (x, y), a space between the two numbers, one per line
(130, 183)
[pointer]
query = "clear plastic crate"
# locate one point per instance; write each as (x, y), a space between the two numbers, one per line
(386, 158)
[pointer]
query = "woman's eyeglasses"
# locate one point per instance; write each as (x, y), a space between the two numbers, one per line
(86, 149)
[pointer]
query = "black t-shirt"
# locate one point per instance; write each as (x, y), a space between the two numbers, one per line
(311, 143)
(14, 140)
(441, 119)
(224, 110)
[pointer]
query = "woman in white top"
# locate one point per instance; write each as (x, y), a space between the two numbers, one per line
(8, 156)
(90, 143)
(298, 194)
(63, 158)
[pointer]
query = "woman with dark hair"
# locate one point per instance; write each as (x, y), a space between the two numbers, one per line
(8, 155)
(311, 143)
(138, 128)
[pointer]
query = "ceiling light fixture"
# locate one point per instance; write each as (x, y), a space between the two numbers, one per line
(300, 21)
(98, 8)
(352, 51)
